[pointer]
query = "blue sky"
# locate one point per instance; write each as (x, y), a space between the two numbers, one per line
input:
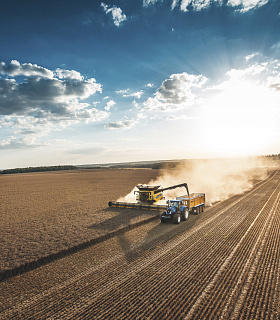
(110, 81)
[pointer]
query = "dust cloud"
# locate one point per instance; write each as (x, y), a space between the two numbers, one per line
(217, 178)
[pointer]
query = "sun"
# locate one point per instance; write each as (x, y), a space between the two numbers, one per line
(241, 119)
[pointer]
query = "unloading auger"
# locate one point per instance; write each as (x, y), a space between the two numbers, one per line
(147, 197)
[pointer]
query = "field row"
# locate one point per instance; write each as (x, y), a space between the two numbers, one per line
(223, 264)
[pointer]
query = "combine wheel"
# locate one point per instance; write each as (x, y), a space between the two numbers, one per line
(177, 218)
(185, 214)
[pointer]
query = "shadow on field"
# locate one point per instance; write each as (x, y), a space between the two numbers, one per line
(122, 217)
(158, 235)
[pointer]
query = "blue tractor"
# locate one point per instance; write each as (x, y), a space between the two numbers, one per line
(176, 211)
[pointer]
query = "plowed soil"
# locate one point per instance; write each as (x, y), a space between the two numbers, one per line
(222, 264)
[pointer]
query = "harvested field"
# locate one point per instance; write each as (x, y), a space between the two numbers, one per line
(45, 213)
(222, 264)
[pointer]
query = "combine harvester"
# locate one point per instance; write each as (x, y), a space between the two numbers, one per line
(147, 196)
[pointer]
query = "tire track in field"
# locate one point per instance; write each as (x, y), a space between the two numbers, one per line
(251, 265)
(225, 265)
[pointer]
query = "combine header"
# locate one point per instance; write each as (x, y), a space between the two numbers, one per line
(147, 196)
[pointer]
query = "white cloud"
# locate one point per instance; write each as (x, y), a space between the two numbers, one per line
(126, 124)
(246, 5)
(117, 14)
(141, 115)
(177, 117)
(45, 101)
(198, 5)
(25, 69)
(250, 56)
(68, 74)
(273, 82)
(136, 104)
(18, 143)
(261, 73)
(179, 91)
(150, 85)
(109, 105)
(134, 94)
(126, 93)
(146, 3)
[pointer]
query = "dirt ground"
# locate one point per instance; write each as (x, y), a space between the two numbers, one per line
(43, 213)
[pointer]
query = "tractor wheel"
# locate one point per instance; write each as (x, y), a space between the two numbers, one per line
(185, 214)
(162, 218)
(177, 218)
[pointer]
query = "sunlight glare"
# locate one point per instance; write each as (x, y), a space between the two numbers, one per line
(241, 119)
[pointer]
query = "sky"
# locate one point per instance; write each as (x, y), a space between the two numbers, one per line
(87, 82)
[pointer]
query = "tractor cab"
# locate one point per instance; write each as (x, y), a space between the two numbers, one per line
(174, 203)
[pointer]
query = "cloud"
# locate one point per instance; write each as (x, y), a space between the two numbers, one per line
(18, 143)
(68, 74)
(126, 93)
(25, 69)
(126, 124)
(44, 101)
(178, 117)
(117, 14)
(259, 72)
(246, 5)
(146, 3)
(198, 5)
(37, 94)
(109, 105)
(176, 92)
(274, 82)
(87, 150)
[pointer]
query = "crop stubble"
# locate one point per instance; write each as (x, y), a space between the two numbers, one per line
(45, 213)
(223, 264)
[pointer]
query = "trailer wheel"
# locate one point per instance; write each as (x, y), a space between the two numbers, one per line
(185, 214)
(177, 218)
(195, 210)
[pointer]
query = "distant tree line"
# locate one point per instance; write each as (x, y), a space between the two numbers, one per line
(273, 156)
(37, 169)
